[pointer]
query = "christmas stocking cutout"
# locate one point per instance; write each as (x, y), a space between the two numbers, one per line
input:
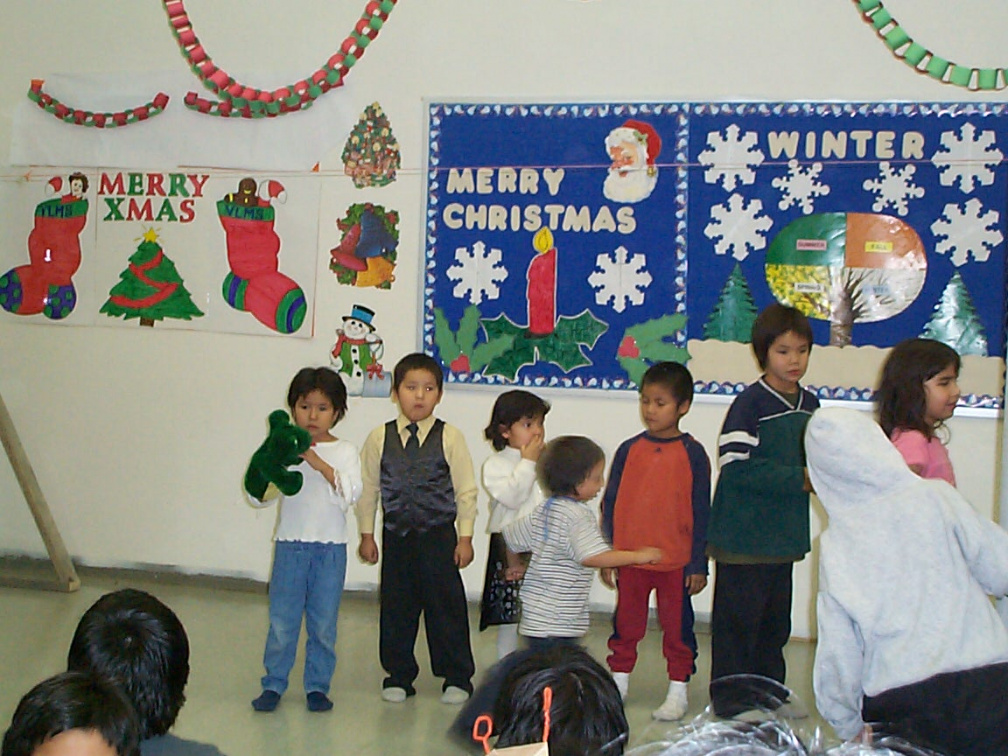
(255, 284)
(45, 284)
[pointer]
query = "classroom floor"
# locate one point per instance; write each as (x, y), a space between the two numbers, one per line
(227, 629)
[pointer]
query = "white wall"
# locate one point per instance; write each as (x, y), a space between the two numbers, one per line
(139, 437)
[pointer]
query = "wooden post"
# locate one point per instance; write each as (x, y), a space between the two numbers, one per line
(65, 572)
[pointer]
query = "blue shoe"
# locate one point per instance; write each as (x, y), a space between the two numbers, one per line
(267, 701)
(319, 701)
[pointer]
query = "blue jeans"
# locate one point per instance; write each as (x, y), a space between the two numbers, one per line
(307, 581)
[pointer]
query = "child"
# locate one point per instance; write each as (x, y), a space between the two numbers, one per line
(907, 634)
(132, 639)
(759, 521)
(566, 544)
(420, 470)
(309, 551)
(918, 392)
(659, 491)
(585, 714)
(509, 477)
(73, 713)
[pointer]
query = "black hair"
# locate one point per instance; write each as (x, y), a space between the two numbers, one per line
(73, 701)
(417, 361)
(773, 322)
(134, 640)
(586, 713)
(900, 399)
(322, 379)
(510, 407)
(566, 462)
(674, 376)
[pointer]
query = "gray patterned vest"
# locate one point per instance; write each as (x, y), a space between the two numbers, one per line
(416, 490)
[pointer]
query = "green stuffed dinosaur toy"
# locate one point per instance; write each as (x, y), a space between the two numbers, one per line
(282, 448)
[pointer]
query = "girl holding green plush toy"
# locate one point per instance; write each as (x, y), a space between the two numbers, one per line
(309, 552)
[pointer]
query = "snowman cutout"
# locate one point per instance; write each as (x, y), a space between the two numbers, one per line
(356, 353)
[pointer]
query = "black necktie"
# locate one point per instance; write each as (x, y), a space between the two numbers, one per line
(412, 443)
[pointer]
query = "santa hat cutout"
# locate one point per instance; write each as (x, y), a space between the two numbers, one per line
(55, 186)
(273, 190)
(644, 134)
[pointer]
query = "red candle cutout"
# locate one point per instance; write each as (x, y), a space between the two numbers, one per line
(541, 292)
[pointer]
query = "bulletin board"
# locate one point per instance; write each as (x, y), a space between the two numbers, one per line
(572, 245)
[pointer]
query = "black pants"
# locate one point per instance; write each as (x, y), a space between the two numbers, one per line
(750, 620)
(956, 713)
(418, 574)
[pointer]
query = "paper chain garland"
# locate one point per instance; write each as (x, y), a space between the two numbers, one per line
(239, 100)
(923, 60)
(79, 117)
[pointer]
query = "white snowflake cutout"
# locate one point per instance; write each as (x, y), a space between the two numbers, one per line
(620, 279)
(893, 188)
(477, 272)
(729, 159)
(739, 227)
(967, 230)
(801, 186)
(969, 159)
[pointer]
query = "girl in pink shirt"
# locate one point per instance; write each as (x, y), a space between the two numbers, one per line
(918, 392)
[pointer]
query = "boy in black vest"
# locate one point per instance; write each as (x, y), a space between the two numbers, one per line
(420, 470)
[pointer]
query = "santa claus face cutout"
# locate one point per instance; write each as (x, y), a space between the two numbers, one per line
(633, 174)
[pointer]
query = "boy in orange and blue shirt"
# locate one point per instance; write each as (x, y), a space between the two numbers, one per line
(659, 493)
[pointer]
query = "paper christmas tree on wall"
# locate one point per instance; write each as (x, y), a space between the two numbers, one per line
(150, 288)
(371, 154)
(733, 315)
(955, 321)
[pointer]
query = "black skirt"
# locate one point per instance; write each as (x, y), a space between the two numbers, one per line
(500, 605)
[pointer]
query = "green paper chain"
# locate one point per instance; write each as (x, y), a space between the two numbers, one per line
(921, 59)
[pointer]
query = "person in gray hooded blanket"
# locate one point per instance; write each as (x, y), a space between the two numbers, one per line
(908, 636)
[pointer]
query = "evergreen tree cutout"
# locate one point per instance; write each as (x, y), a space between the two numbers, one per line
(371, 154)
(733, 315)
(955, 321)
(150, 288)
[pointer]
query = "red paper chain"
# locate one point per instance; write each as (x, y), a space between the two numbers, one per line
(79, 117)
(240, 100)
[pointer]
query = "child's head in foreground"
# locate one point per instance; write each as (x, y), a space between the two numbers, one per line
(73, 714)
(782, 341)
(513, 409)
(919, 388)
(572, 466)
(586, 714)
(666, 394)
(417, 382)
(134, 640)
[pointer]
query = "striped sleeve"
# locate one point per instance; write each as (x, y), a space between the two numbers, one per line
(739, 433)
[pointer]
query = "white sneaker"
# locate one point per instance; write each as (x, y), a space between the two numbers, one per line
(454, 695)
(622, 680)
(393, 695)
(675, 704)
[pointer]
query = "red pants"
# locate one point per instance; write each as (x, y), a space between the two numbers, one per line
(630, 620)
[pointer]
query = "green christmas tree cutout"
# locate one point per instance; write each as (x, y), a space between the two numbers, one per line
(955, 322)
(371, 154)
(564, 347)
(458, 349)
(649, 342)
(733, 315)
(150, 288)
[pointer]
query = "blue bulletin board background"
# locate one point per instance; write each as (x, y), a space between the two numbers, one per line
(641, 273)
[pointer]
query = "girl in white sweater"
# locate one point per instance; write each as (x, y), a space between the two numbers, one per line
(509, 478)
